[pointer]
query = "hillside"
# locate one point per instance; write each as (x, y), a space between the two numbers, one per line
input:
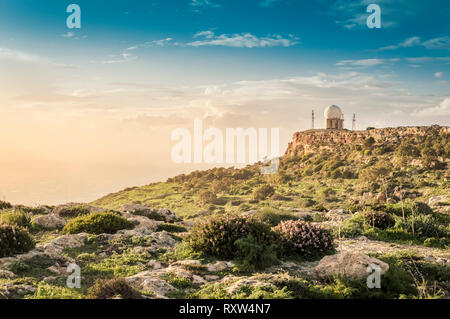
(340, 201)
(321, 170)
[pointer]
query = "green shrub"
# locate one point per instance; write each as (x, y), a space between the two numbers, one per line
(34, 210)
(14, 241)
(354, 226)
(252, 256)
(437, 242)
(408, 207)
(74, 211)
(422, 208)
(217, 235)
(424, 226)
(16, 218)
(97, 223)
(263, 192)
(113, 288)
(206, 197)
(380, 220)
(305, 239)
(171, 228)
(5, 205)
(273, 217)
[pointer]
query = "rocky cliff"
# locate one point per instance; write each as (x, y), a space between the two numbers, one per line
(313, 140)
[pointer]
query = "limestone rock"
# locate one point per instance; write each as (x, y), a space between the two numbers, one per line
(219, 266)
(146, 281)
(437, 200)
(7, 274)
(50, 221)
(348, 264)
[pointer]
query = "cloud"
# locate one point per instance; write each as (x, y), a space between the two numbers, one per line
(442, 43)
(8, 54)
(158, 43)
(205, 4)
(409, 42)
(25, 57)
(125, 56)
(428, 59)
(439, 74)
(243, 40)
(365, 63)
(68, 35)
(352, 14)
(443, 109)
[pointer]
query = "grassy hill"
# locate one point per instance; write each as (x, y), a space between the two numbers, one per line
(333, 172)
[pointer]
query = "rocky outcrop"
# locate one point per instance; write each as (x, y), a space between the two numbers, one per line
(313, 140)
(348, 264)
(437, 200)
(50, 221)
(155, 280)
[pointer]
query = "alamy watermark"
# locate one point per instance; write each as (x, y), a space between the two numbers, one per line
(74, 279)
(374, 279)
(74, 19)
(374, 20)
(236, 146)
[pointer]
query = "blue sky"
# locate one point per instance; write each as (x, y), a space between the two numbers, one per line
(99, 103)
(319, 33)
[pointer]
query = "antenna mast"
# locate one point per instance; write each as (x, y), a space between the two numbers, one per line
(312, 120)
(354, 122)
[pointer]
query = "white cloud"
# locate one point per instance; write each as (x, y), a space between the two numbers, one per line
(205, 3)
(442, 43)
(409, 42)
(439, 74)
(25, 57)
(365, 63)
(159, 43)
(428, 59)
(243, 40)
(8, 54)
(68, 35)
(443, 109)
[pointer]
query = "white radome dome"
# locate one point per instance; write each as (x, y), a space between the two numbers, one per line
(333, 112)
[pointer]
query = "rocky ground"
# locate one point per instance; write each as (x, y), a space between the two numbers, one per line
(140, 255)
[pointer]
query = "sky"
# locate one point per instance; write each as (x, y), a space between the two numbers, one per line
(89, 111)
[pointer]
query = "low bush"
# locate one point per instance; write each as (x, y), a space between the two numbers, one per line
(252, 256)
(171, 228)
(74, 211)
(217, 235)
(16, 218)
(14, 241)
(380, 220)
(5, 205)
(263, 192)
(206, 197)
(97, 223)
(305, 239)
(424, 226)
(113, 288)
(353, 227)
(273, 217)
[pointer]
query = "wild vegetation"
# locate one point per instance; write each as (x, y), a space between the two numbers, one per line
(241, 234)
